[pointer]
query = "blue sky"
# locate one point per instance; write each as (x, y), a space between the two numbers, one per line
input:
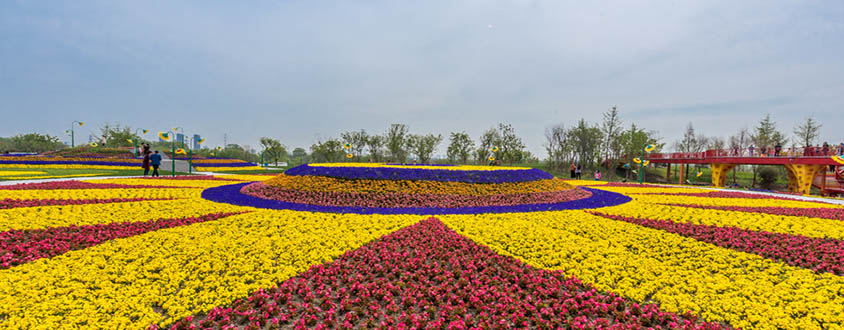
(307, 70)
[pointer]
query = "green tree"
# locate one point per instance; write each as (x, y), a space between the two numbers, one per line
(511, 146)
(807, 132)
(375, 143)
(273, 150)
(118, 136)
(586, 143)
(558, 147)
(422, 146)
(488, 139)
(35, 142)
(299, 156)
(634, 139)
(396, 142)
(612, 129)
(357, 139)
(328, 151)
(460, 147)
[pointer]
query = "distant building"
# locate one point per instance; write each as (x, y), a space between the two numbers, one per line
(180, 138)
(195, 142)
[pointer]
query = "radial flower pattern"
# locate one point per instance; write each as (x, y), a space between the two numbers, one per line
(355, 246)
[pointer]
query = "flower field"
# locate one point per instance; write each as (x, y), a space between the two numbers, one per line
(413, 247)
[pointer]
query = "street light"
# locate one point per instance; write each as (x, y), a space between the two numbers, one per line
(72, 140)
(173, 152)
(644, 162)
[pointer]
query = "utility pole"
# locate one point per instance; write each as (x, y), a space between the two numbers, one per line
(225, 140)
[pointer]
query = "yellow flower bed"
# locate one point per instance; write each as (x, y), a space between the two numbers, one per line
(450, 168)
(100, 193)
(811, 227)
(716, 201)
(317, 183)
(17, 173)
(90, 214)
(679, 273)
(182, 270)
(198, 183)
(52, 176)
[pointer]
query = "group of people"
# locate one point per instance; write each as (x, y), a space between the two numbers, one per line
(809, 151)
(577, 172)
(150, 159)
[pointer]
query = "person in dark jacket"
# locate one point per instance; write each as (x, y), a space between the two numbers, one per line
(155, 160)
(145, 164)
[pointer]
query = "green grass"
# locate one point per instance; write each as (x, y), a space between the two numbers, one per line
(73, 172)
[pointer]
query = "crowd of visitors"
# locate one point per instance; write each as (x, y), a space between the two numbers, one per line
(778, 151)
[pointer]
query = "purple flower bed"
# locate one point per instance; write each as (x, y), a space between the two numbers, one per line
(128, 162)
(231, 194)
(400, 200)
(374, 173)
(72, 184)
(238, 164)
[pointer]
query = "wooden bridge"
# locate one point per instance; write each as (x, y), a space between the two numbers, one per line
(824, 171)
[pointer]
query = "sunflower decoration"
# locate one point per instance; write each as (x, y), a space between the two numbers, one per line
(212, 154)
(81, 123)
(93, 144)
(347, 146)
(181, 151)
(649, 148)
(637, 160)
(130, 141)
(699, 173)
(145, 131)
(838, 159)
(200, 141)
(164, 136)
(494, 149)
(646, 162)
(491, 158)
(219, 148)
(349, 155)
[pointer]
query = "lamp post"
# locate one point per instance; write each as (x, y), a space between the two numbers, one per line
(643, 162)
(173, 150)
(72, 140)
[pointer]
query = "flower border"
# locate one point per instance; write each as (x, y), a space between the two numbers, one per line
(230, 194)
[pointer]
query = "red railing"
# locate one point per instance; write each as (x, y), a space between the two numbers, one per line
(754, 152)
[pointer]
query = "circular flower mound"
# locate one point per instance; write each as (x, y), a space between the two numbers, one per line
(467, 174)
(364, 195)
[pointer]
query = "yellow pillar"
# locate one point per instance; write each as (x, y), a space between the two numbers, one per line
(800, 177)
(719, 174)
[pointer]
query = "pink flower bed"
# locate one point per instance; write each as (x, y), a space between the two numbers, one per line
(21, 246)
(823, 255)
(824, 213)
(428, 277)
(727, 194)
(189, 177)
(72, 184)
(396, 200)
(9, 203)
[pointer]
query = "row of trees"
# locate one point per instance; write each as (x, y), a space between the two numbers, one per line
(397, 144)
(592, 146)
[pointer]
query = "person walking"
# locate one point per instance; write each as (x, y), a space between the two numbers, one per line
(145, 163)
(155, 160)
(573, 169)
(597, 175)
(750, 148)
(578, 172)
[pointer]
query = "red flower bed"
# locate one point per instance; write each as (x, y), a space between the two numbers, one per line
(397, 200)
(22, 246)
(823, 255)
(824, 213)
(72, 184)
(9, 203)
(189, 177)
(428, 277)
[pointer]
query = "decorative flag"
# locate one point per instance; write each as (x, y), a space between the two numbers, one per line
(650, 148)
(164, 136)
